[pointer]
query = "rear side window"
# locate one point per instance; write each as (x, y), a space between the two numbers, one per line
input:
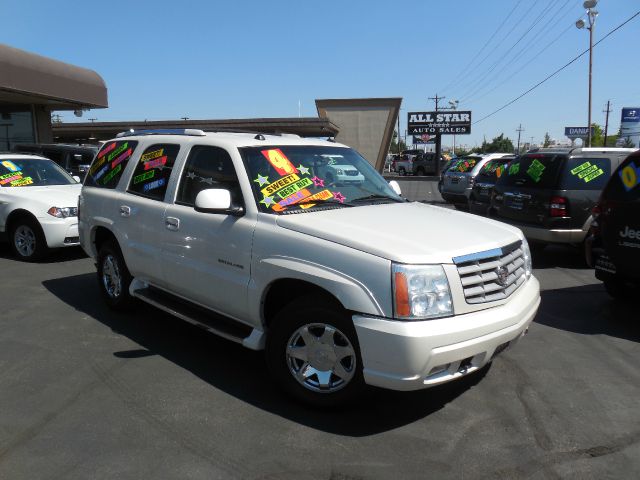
(465, 164)
(494, 168)
(151, 176)
(624, 185)
(535, 171)
(208, 167)
(586, 174)
(109, 164)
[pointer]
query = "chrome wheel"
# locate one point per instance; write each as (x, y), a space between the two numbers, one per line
(321, 358)
(111, 277)
(24, 240)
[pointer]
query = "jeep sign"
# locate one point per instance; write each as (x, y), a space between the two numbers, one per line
(444, 122)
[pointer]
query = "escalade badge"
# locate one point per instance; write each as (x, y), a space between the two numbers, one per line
(503, 275)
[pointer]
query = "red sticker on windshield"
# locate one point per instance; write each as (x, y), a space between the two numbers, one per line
(279, 161)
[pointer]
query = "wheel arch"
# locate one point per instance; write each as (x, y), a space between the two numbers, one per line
(99, 236)
(18, 214)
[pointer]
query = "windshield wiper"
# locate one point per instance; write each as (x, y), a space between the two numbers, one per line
(320, 203)
(379, 197)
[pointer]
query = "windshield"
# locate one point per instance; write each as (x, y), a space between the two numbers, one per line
(30, 172)
(536, 171)
(494, 168)
(300, 178)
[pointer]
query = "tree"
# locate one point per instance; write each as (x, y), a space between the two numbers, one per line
(597, 139)
(547, 140)
(393, 148)
(498, 144)
(628, 143)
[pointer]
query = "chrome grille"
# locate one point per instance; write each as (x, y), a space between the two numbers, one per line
(491, 275)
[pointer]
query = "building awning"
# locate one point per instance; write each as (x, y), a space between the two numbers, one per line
(91, 131)
(27, 78)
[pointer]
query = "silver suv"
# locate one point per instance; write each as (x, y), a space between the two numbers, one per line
(342, 284)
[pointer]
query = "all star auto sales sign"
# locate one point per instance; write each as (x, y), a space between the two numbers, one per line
(452, 123)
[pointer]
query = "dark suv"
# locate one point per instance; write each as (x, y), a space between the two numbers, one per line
(425, 163)
(75, 159)
(480, 198)
(549, 193)
(613, 245)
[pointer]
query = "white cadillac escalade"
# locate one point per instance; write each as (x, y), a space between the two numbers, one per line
(342, 283)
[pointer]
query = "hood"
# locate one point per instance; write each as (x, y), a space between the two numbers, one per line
(404, 232)
(51, 196)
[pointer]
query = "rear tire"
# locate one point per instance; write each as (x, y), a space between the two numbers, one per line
(27, 240)
(114, 277)
(313, 353)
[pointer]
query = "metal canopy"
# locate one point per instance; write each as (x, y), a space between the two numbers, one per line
(27, 78)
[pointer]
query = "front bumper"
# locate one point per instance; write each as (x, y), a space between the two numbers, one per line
(401, 355)
(60, 232)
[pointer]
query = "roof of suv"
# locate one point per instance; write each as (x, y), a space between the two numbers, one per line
(578, 150)
(239, 139)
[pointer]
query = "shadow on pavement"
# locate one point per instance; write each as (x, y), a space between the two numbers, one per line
(589, 310)
(563, 256)
(243, 373)
(58, 255)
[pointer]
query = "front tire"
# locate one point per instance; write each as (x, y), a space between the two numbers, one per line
(313, 353)
(114, 277)
(27, 239)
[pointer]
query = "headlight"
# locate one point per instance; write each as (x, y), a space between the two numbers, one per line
(421, 292)
(63, 212)
(528, 267)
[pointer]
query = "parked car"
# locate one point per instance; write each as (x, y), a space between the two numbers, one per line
(404, 165)
(490, 172)
(549, 193)
(613, 244)
(241, 235)
(338, 173)
(448, 164)
(38, 206)
(425, 163)
(458, 180)
(75, 159)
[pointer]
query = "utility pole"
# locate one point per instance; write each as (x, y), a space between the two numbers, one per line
(519, 130)
(606, 122)
(438, 137)
(398, 136)
(531, 144)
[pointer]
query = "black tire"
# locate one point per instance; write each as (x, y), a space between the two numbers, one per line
(313, 314)
(617, 289)
(114, 277)
(27, 240)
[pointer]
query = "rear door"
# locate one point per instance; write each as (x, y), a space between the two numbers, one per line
(620, 219)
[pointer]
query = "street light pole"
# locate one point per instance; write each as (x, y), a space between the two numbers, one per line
(591, 15)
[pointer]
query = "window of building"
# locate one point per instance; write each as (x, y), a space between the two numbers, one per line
(16, 126)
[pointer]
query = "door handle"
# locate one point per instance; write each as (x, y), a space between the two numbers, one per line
(125, 211)
(172, 223)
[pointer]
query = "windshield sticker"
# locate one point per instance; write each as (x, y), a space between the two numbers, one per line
(279, 161)
(121, 158)
(143, 176)
(9, 177)
(500, 170)
(261, 180)
(107, 149)
(291, 189)
(630, 176)
(156, 163)
(587, 172)
(22, 182)
(15, 179)
(303, 170)
(153, 185)
(111, 174)
(102, 158)
(318, 182)
(338, 196)
(151, 155)
(279, 184)
(9, 165)
(535, 171)
(514, 169)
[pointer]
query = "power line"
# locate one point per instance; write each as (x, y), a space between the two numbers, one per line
(558, 70)
(457, 78)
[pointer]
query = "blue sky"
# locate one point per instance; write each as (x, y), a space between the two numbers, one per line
(210, 59)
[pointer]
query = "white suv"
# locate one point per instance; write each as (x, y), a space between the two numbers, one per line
(38, 205)
(343, 286)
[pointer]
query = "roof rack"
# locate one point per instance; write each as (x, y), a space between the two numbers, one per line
(194, 132)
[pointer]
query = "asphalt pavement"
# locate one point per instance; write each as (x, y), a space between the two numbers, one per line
(88, 393)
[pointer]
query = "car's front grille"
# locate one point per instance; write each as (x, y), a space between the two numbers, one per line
(491, 275)
(351, 173)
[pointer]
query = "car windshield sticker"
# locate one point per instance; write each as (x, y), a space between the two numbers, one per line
(9, 165)
(630, 176)
(279, 184)
(153, 185)
(15, 179)
(514, 169)
(107, 149)
(111, 161)
(151, 155)
(156, 163)
(535, 170)
(587, 172)
(318, 182)
(293, 188)
(303, 170)
(261, 180)
(338, 196)
(279, 161)
(143, 176)
(112, 174)
(500, 171)
(465, 165)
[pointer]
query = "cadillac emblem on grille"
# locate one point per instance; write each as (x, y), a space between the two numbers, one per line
(503, 275)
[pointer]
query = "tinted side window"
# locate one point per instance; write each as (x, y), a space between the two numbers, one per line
(208, 167)
(534, 171)
(624, 185)
(151, 176)
(109, 164)
(586, 173)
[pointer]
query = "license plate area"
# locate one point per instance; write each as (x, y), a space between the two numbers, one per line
(515, 203)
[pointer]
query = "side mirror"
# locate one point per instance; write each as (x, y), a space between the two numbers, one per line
(77, 178)
(395, 186)
(217, 200)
